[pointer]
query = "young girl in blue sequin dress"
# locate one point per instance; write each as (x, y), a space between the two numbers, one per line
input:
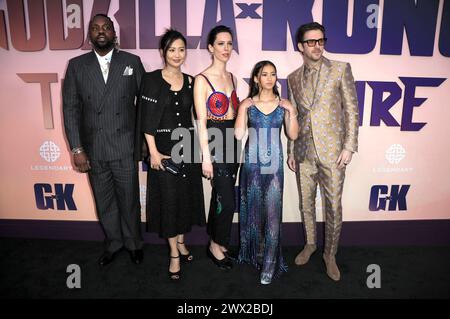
(262, 115)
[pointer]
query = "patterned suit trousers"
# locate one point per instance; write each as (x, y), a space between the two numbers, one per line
(311, 173)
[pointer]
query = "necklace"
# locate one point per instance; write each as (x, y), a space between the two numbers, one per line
(275, 98)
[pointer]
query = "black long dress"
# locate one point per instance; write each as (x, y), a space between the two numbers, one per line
(174, 203)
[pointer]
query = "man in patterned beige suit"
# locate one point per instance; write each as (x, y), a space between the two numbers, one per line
(324, 93)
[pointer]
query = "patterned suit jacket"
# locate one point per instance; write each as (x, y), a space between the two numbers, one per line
(331, 118)
(101, 117)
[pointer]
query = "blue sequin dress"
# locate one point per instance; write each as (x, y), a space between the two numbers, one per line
(261, 194)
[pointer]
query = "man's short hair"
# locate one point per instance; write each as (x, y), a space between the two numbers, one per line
(308, 27)
(104, 16)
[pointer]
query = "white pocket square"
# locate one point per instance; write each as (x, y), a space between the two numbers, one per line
(128, 71)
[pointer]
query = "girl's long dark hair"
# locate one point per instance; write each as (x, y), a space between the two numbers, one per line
(254, 88)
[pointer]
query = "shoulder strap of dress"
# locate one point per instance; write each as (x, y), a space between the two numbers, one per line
(232, 81)
(207, 80)
(189, 79)
(186, 79)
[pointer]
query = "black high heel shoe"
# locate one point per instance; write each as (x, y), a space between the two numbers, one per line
(230, 256)
(185, 258)
(224, 264)
(175, 275)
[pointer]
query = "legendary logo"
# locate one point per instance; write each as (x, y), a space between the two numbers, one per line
(49, 151)
(395, 153)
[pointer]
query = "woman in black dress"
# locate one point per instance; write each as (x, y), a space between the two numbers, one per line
(216, 105)
(174, 201)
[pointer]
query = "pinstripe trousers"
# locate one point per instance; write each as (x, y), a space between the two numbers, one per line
(115, 185)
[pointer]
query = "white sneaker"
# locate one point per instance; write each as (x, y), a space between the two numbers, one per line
(265, 281)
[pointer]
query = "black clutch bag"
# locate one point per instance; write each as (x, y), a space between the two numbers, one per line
(172, 167)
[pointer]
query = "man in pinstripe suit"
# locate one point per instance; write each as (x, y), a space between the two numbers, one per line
(99, 93)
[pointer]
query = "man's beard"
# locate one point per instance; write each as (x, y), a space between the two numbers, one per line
(104, 47)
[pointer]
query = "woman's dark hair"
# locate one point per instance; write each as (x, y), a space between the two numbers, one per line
(212, 35)
(168, 38)
(308, 27)
(257, 69)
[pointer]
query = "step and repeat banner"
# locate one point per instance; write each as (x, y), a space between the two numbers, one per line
(398, 49)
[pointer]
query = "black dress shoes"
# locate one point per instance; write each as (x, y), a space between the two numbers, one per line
(106, 258)
(137, 256)
(224, 264)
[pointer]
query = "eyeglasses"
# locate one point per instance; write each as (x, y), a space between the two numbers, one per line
(312, 42)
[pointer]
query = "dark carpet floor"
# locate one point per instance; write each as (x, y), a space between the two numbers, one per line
(36, 268)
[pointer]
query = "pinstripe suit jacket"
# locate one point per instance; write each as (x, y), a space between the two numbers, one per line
(332, 117)
(101, 117)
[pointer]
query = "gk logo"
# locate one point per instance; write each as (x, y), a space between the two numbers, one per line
(396, 197)
(63, 195)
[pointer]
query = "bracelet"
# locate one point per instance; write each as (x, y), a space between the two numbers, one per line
(77, 150)
(293, 117)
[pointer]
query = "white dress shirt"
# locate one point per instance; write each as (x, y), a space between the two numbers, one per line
(105, 62)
